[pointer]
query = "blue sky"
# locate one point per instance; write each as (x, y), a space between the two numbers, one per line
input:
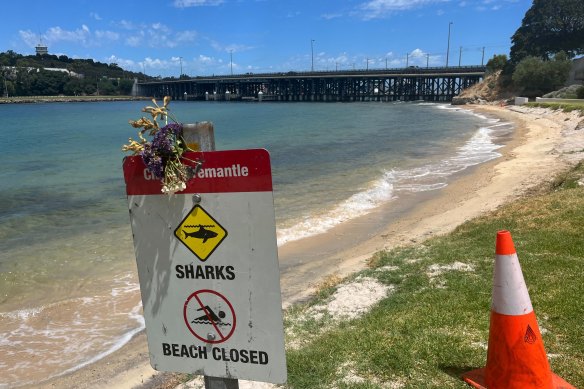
(215, 36)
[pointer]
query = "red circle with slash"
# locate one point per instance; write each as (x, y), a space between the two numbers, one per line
(209, 316)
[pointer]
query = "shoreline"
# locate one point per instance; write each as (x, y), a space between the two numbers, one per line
(543, 139)
(67, 99)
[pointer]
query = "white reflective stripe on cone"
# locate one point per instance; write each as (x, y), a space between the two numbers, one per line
(510, 296)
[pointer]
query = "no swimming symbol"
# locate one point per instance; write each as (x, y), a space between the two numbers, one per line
(209, 316)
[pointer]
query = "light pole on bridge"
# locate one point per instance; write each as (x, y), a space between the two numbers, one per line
(231, 60)
(312, 54)
(460, 56)
(448, 47)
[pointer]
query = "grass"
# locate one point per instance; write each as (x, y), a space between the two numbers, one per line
(434, 326)
(566, 105)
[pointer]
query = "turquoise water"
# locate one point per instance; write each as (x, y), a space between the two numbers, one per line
(66, 255)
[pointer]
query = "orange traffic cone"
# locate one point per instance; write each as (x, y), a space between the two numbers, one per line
(516, 357)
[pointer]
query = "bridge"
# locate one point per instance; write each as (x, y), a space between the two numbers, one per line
(404, 84)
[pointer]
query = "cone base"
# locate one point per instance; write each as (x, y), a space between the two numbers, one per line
(476, 379)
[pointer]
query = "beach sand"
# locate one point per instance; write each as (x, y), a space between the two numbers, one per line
(543, 144)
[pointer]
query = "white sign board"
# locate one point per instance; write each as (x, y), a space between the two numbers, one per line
(208, 267)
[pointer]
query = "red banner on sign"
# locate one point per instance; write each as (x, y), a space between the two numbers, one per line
(220, 172)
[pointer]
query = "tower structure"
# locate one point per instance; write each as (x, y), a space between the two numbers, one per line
(40, 48)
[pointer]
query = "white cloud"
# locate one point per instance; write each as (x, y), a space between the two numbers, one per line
(416, 53)
(57, 34)
(109, 35)
(374, 9)
(196, 3)
(30, 38)
(236, 48)
(155, 35)
(331, 16)
(82, 36)
(134, 41)
(124, 63)
(204, 59)
(159, 27)
(95, 16)
(157, 63)
(126, 25)
(186, 36)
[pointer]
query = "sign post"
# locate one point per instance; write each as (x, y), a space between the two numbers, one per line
(208, 269)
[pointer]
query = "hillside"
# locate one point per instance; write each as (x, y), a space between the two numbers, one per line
(51, 75)
(88, 67)
(488, 91)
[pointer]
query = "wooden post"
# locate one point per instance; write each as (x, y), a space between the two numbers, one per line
(221, 383)
(201, 137)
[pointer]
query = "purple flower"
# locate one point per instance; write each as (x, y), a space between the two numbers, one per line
(174, 128)
(154, 163)
(164, 147)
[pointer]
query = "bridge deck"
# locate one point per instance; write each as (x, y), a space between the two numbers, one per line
(413, 83)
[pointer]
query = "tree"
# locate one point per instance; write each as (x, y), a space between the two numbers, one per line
(537, 77)
(498, 62)
(125, 87)
(26, 76)
(550, 26)
(45, 83)
(106, 87)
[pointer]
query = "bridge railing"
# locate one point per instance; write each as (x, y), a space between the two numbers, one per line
(340, 73)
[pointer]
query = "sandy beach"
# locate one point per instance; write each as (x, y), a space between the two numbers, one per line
(544, 143)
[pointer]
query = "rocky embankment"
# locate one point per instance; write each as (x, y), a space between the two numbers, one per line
(488, 91)
(65, 99)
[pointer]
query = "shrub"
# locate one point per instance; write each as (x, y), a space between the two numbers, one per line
(496, 63)
(536, 76)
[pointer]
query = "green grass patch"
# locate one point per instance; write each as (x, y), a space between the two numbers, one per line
(434, 323)
(566, 105)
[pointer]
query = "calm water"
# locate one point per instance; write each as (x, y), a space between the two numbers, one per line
(68, 285)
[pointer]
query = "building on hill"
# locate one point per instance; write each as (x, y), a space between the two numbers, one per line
(62, 70)
(41, 49)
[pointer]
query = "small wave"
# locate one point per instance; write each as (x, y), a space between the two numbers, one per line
(359, 204)
(117, 344)
(478, 149)
(67, 335)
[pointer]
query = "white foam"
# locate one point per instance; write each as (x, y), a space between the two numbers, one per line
(117, 344)
(67, 335)
(393, 183)
(360, 203)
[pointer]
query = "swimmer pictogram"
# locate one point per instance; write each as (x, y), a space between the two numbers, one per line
(209, 316)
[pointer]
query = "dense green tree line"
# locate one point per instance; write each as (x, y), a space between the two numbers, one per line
(550, 27)
(550, 35)
(26, 76)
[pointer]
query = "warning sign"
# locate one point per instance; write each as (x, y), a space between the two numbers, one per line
(200, 233)
(207, 260)
(209, 316)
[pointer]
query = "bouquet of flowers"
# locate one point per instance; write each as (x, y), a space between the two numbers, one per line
(162, 154)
